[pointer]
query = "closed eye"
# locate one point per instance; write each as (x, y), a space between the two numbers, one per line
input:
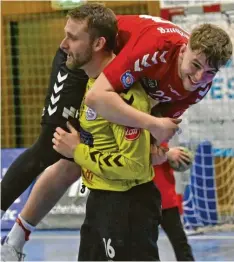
(197, 66)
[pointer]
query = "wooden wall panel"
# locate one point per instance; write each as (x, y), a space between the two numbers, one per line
(28, 14)
(7, 104)
(25, 7)
(115, 4)
(153, 8)
(39, 40)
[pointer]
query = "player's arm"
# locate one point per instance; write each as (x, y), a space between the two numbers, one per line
(131, 159)
(104, 99)
(129, 66)
(129, 162)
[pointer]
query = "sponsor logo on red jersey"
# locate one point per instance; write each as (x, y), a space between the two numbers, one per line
(127, 79)
(132, 133)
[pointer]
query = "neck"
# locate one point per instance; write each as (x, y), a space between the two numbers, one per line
(94, 68)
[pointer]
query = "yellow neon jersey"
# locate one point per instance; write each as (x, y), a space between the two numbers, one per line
(114, 157)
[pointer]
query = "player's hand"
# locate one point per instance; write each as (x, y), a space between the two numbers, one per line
(158, 155)
(65, 143)
(164, 129)
(177, 155)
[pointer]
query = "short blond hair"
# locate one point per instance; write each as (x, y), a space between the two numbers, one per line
(214, 42)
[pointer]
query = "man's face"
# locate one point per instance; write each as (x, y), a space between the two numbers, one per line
(194, 69)
(77, 44)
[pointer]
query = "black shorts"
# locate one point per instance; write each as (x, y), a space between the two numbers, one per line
(121, 225)
(65, 93)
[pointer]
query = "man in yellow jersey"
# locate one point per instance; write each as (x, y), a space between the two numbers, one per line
(124, 207)
(112, 157)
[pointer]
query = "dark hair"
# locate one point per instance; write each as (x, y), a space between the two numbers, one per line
(101, 22)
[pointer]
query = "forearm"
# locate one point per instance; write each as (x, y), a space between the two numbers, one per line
(106, 102)
(113, 108)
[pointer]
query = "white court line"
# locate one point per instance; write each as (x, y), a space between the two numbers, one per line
(211, 237)
(46, 236)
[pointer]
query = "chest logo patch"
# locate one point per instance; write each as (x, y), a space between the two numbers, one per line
(127, 79)
(90, 114)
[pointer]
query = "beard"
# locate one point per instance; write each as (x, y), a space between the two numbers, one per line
(77, 61)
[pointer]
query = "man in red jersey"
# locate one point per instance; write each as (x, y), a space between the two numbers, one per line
(176, 68)
(171, 223)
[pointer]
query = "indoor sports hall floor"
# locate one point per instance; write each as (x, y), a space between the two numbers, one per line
(63, 246)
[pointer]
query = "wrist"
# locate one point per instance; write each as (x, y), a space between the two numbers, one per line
(169, 155)
(74, 149)
(150, 122)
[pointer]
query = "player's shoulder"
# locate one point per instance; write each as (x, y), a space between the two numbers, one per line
(203, 88)
(59, 58)
(126, 18)
(143, 21)
(150, 31)
(166, 31)
(197, 95)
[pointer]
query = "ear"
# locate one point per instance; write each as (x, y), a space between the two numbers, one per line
(99, 44)
(182, 51)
